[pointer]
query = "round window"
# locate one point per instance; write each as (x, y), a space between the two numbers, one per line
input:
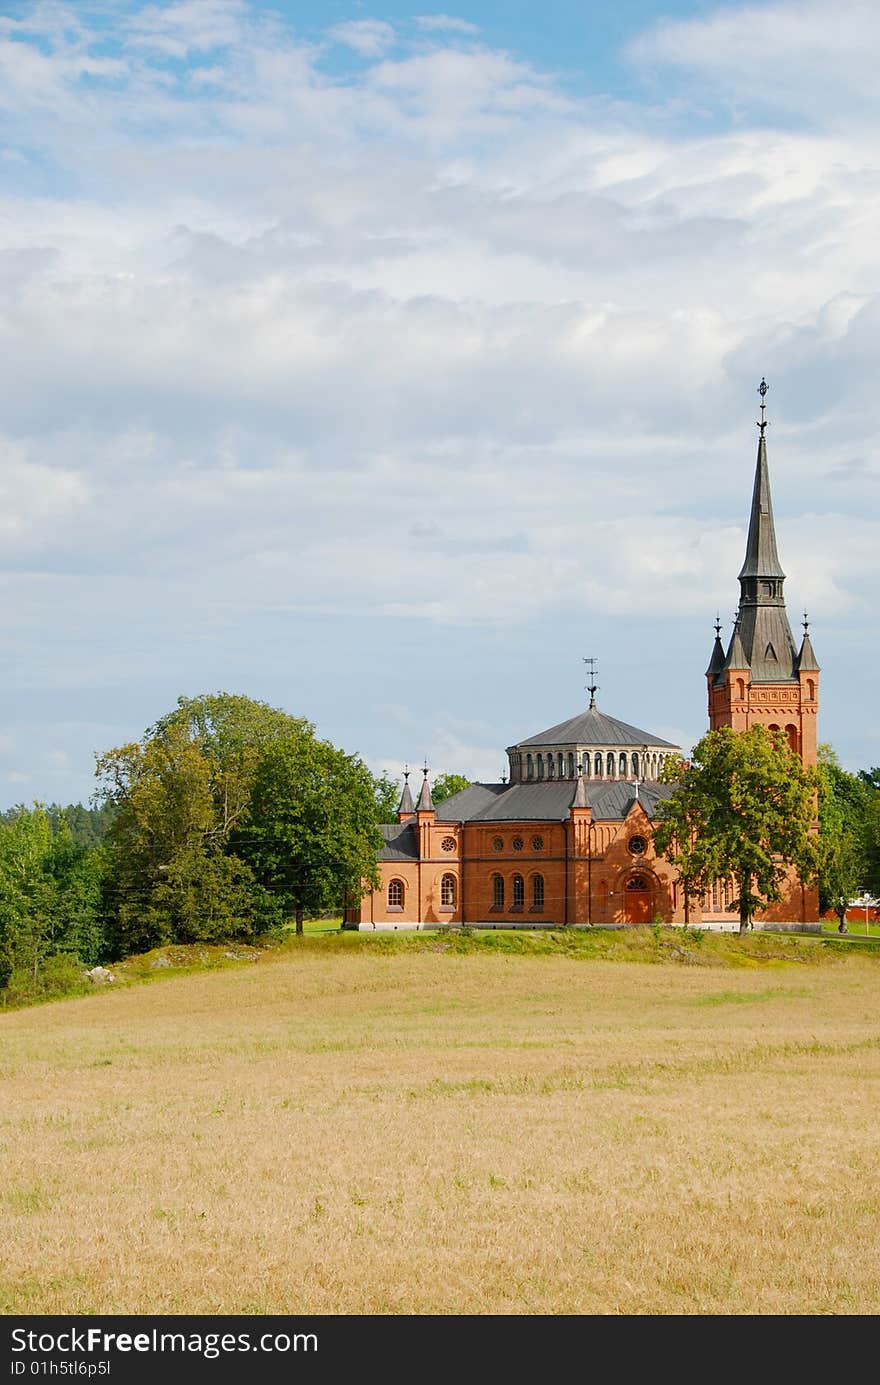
(448, 843)
(517, 843)
(537, 843)
(497, 844)
(637, 845)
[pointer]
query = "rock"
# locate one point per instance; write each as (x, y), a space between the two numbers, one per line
(100, 976)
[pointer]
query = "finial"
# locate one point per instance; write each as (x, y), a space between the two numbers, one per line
(593, 686)
(504, 776)
(762, 390)
(425, 769)
(717, 626)
(406, 774)
(736, 618)
(806, 623)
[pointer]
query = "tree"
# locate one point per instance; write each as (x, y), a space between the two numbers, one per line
(743, 808)
(50, 894)
(311, 837)
(445, 785)
(387, 795)
(217, 819)
(843, 803)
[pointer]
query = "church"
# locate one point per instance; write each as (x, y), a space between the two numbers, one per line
(567, 837)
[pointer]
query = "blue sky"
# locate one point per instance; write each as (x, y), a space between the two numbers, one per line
(383, 362)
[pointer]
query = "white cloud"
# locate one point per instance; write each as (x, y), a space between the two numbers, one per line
(367, 37)
(815, 58)
(445, 23)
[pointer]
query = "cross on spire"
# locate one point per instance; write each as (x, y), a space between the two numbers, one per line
(592, 686)
(718, 624)
(806, 623)
(762, 390)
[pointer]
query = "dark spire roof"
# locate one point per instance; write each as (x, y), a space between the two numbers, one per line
(762, 559)
(806, 660)
(716, 663)
(767, 644)
(406, 803)
(592, 727)
(425, 804)
(736, 657)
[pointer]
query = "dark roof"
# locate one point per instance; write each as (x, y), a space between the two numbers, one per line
(548, 801)
(424, 804)
(595, 728)
(401, 842)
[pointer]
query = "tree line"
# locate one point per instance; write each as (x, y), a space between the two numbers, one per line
(231, 819)
(228, 820)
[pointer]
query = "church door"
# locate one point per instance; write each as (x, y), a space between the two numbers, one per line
(637, 900)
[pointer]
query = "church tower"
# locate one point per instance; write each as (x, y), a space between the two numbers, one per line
(763, 679)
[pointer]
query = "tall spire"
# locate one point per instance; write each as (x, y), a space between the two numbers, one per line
(762, 559)
(767, 644)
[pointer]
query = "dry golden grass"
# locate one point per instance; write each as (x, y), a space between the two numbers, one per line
(365, 1130)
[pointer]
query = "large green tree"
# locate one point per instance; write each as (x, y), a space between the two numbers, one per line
(195, 822)
(744, 808)
(311, 837)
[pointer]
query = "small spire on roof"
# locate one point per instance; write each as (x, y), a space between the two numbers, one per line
(425, 803)
(405, 806)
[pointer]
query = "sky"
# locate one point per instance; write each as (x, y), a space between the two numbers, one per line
(383, 364)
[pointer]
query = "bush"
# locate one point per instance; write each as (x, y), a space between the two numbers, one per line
(58, 976)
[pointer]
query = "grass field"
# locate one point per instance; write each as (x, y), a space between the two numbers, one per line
(541, 1124)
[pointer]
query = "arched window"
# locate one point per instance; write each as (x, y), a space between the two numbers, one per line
(811, 690)
(571, 764)
(598, 766)
(519, 893)
(498, 891)
(551, 767)
(792, 734)
(635, 765)
(585, 766)
(540, 766)
(395, 894)
(621, 765)
(609, 765)
(530, 768)
(560, 764)
(741, 688)
(537, 891)
(447, 891)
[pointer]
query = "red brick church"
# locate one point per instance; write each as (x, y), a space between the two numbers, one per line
(567, 838)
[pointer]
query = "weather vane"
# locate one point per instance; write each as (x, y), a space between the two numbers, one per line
(592, 686)
(762, 390)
